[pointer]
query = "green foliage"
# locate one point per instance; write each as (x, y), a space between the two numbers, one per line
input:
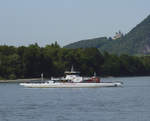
(90, 43)
(12, 76)
(31, 61)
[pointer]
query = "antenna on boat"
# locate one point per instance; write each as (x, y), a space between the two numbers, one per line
(72, 68)
(42, 76)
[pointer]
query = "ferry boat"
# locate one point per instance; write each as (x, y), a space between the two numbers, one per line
(72, 80)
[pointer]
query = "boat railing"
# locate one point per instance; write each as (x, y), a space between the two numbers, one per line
(60, 78)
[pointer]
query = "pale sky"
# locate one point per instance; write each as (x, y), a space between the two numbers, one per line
(23, 22)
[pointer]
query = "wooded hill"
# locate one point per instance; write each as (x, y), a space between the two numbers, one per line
(136, 42)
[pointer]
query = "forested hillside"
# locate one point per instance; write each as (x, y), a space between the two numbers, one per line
(136, 42)
(90, 43)
(51, 60)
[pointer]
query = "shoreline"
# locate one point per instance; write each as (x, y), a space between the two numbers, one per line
(20, 80)
(39, 79)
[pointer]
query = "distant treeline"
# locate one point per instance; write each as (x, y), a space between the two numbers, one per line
(52, 60)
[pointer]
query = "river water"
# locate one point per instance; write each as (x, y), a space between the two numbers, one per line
(128, 103)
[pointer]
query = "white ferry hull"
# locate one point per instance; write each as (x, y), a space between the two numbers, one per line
(70, 85)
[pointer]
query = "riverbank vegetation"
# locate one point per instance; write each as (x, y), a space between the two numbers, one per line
(52, 60)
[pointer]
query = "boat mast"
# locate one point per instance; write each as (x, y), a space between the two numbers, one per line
(42, 77)
(72, 69)
(94, 74)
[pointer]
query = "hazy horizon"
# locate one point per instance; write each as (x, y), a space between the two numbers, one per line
(44, 22)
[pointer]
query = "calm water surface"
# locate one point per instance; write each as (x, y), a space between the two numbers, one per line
(128, 103)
